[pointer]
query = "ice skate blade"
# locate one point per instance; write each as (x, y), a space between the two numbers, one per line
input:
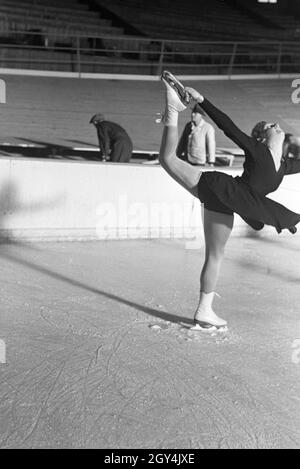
(208, 327)
(201, 325)
(177, 86)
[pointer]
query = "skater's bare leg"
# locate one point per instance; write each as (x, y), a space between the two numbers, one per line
(217, 229)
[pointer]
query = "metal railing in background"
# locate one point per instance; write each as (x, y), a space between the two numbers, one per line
(55, 49)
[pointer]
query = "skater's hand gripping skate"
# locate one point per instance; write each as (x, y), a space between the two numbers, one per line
(195, 95)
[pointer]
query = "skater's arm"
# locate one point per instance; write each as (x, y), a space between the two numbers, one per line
(292, 166)
(223, 122)
(227, 125)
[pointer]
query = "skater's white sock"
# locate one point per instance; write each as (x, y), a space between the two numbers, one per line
(170, 117)
(205, 301)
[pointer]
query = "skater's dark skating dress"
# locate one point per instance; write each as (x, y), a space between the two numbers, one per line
(246, 194)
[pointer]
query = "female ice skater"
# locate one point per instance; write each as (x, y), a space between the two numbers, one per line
(221, 194)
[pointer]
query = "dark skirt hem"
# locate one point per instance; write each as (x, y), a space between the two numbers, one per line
(222, 193)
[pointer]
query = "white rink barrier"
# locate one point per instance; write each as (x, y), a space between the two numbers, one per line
(75, 200)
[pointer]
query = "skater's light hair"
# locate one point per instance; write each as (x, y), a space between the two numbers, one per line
(258, 131)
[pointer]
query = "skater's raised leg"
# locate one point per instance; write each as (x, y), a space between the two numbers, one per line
(186, 175)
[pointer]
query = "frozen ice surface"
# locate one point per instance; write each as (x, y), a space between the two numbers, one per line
(100, 351)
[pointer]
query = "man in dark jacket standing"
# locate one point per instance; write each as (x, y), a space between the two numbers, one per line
(114, 143)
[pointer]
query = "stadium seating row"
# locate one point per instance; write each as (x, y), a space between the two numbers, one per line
(54, 15)
(191, 19)
(72, 17)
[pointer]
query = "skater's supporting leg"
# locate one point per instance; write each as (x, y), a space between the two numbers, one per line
(217, 229)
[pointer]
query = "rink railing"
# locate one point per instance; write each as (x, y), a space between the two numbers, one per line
(62, 51)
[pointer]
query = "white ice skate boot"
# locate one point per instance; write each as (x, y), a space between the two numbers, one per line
(177, 99)
(182, 94)
(205, 316)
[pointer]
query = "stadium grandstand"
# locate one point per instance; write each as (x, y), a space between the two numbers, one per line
(101, 36)
(106, 38)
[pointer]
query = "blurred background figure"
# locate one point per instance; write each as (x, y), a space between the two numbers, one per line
(114, 143)
(197, 143)
(291, 147)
